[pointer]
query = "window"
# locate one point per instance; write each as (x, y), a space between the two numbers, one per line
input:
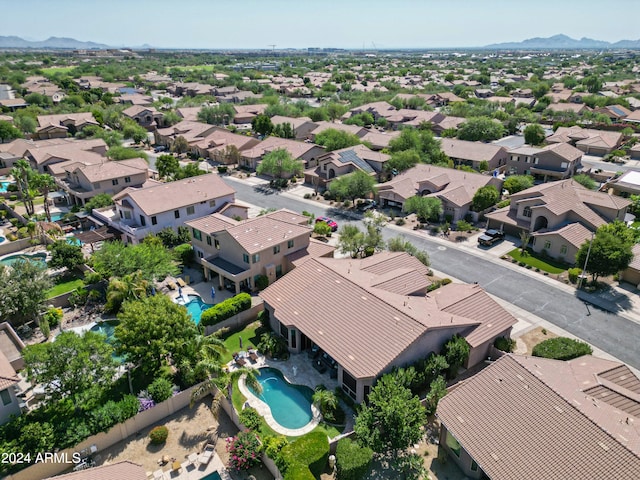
(294, 338)
(453, 444)
(191, 210)
(6, 398)
(212, 203)
(564, 165)
(114, 181)
(290, 244)
(278, 271)
(143, 221)
(154, 220)
(527, 159)
(547, 245)
(527, 212)
(208, 240)
(245, 258)
(120, 212)
(216, 243)
(200, 254)
(197, 234)
(276, 249)
(255, 258)
(127, 215)
(96, 186)
(127, 179)
(284, 331)
(176, 213)
(474, 466)
(563, 250)
(349, 384)
(535, 160)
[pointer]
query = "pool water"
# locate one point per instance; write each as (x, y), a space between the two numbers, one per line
(2, 239)
(212, 476)
(195, 307)
(37, 257)
(56, 216)
(4, 185)
(74, 241)
(290, 404)
(107, 328)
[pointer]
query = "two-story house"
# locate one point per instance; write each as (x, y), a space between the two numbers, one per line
(143, 211)
(144, 116)
(238, 252)
(62, 125)
(552, 162)
(559, 216)
(83, 182)
(305, 152)
(590, 141)
(10, 361)
(301, 126)
(473, 154)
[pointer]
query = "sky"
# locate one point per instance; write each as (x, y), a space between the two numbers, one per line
(372, 24)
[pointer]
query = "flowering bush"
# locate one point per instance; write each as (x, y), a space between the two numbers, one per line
(244, 450)
(146, 402)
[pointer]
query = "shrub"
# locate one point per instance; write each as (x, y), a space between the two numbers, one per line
(307, 453)
(158, 434)
(400, 221)
(561, 348)
(79, 297)
(273, 445)
(263, 318)
(463, 226)
(250, 418)
(53, 316)
(505, 344)
(92, 277)
(244, 450)
(184, 253)
(13, 198)
(307, 196)
(160, 389)
(44, 328)
(574, 273)
(445, 281)
(352, 460)
(222, 169)
(226, 309)
(503, 203)
(262, 282)
(273, 345)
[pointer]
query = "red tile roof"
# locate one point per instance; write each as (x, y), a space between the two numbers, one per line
(124, 470)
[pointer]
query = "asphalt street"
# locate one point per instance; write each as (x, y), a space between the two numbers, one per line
(610, 332)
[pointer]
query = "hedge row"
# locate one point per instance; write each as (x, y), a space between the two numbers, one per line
(352, 460)
(305, 458)
(561, 348)
(226, 309)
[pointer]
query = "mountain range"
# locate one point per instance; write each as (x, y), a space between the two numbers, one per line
(564, 42)
(51, 42)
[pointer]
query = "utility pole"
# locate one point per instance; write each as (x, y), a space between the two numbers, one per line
(586, 260)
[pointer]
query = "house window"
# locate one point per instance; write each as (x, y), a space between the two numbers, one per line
(127, 179)
(191, 210)
(96, 186)
(453, 444)
(143, 221)
(474, 466)
(527, 212)
(535, 160)
(200, 254)
(349, 384)
(154, 220)
(515, 158)
(216, 243)
(278, 271)
(197, 234)
(245, 258)
(527, 160)
(255, 258)
(212, 203)
(564, 165)
(208, 240)
(324, 167)
(276, 249)
(6, 398)
(176, 213)
(114, 181)
(290, 244)
(563, 250)
(127, 215)
(547, 245)
(120, 212)
(284, 331)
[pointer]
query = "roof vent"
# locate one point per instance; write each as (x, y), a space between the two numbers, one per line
(558, 409)
(495, 456)
(603, 446)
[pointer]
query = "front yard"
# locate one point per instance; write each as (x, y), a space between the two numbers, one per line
(534, 260)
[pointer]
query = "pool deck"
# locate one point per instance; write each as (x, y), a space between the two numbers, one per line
(192, 471)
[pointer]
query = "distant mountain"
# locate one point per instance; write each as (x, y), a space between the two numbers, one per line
(563, 42)
(51, 42)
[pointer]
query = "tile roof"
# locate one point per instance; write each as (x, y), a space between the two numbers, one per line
(77, 119)
(574, 233)
(315, 248)
(8, 375)
(586, 136)
(269, 144)
(474, 151)
(530, 418)
(257, 234)
(181, 193)
(294, 122)
(124, 470)
(113, 169)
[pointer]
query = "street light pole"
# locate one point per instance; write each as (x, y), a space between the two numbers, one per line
(586, 260)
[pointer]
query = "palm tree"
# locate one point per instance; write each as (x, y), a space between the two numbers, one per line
(31, 229)
(525, 237)
(23, 174)
(325, 400)
(130, 287)
(45, 184)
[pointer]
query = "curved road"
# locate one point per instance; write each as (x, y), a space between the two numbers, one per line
(612, 333)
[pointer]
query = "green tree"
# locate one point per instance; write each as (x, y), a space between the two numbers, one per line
(354, 185)
(403, 160)
(8, 132)
(24, 176)
(130, 287)
(219, 115)
(45, 184)
(124, 153)
(399, 244)
(426, 208)
(99, 201)
(534, 134)
(480, 129)
(540, 90)
(72, 365)
(152, 330)
(485, 197)
(517, 183)
(456, 352)
(180, 145)
(609, 254)
(593, 83)
(325, 400)
(188, 171)
(351, 240)
(167, 166)
(23, 289)
(332, 139)
(322, 229)
(262, 125)
(336, 110)
(65, 255)
(115, 259)
(586, 181)
(392, 420)
(24, 123)
(437, 390)
(280, 164)
(409, 139)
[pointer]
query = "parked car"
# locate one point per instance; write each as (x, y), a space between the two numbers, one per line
(490, 237)
(367, 205)
(160, 148)
(328, 221)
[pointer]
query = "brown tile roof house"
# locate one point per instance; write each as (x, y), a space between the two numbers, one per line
(58, 126)
(555, 161)
(9, 404)
(302, 126)
(379, 140)
(143, 115)
(246, 113)
(44, 154)
(595, 142)
(472, 153)
(455, 188)
(377, 109)
(548, 211)
(306, 152)
(531, 418)
(632, 273)
(385, 296)
(124, 470)
(189, 113)
(322, 126)
(568, 107)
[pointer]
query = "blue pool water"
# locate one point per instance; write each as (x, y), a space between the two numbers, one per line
(212, 476)
(74, 241)
(37, 257)
(56, 216)
(4, 185)
(107, 329)
(2, 239)
(290, 404)
(195, 307)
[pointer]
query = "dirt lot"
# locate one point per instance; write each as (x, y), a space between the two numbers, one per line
(526, 342)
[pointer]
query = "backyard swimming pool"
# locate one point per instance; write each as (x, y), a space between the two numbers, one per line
(212, 476)
(4, 185)
(195, 307)
(290, 405)
(36, 257)
(107, 329)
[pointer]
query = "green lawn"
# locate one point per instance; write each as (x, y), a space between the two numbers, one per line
(202, 68)
(54, 70)
(64, 284)
(250, 338)
(532, 258)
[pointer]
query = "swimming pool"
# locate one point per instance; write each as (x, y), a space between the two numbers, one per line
(4, 185)
(195, 307)
(212, 476)
(36, 257)
(107, 328)
(2, 239)
(74, 241)
(290, 405)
